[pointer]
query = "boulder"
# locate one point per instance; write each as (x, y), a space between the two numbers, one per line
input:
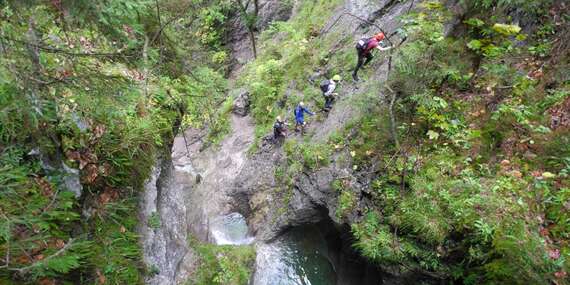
(241, 102)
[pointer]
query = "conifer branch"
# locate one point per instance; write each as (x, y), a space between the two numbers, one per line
(23, 270)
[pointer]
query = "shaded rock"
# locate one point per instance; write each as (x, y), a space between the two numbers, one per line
(82, 124)
(239, 41)
(165, 248)
(72, 180)
(273, 10)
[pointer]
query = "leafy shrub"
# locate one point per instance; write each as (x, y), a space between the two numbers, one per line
(346, 202)
(312, 156)
(223, 264)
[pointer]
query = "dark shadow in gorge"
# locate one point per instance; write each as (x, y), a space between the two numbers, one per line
(350, 266)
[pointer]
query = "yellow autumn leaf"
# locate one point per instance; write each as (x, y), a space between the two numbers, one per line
(506, 30)
(548, 175)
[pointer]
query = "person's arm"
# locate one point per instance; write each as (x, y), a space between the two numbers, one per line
(309, 112)
(383, 48)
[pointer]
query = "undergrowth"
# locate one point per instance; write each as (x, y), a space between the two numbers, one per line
(223, 264)
(475, 192)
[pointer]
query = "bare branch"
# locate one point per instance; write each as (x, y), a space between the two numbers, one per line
(51, 49)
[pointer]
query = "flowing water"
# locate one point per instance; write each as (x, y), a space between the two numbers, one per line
(230, 229)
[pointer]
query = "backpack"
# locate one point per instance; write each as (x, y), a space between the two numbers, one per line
(325, 85)
(362, 44)
(278, 126)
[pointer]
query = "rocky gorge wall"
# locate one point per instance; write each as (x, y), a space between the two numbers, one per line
(200, 184)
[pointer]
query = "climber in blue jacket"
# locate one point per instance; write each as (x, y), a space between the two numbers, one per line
(300, 111)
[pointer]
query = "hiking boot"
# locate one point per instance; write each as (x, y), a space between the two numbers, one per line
(355, 77)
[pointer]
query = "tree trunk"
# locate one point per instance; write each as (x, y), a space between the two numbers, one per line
(252, 39)
(249, 23)
(393, 117)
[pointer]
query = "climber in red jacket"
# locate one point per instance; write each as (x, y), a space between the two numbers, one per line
(364, 49)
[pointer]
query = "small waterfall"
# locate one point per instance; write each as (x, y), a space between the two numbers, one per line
(230, 229)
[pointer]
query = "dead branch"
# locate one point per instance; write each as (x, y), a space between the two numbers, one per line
(51, 49)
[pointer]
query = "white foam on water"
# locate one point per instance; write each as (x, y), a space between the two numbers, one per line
(230, 229)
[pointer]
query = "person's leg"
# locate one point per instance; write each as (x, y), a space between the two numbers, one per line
(358, 65)
(369, 57)
(328, 102)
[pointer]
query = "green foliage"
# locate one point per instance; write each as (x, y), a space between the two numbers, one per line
(116, 251)
(312, 156)
(211, 29)
(532, 8)
(223, 264)
(34, 210)
(373, 134)
(266, 86)
(492, 41)
(438, 205)
(154, 220)
(15, 113)
(443, 203)
(102, 88)
(202, 95)
(346, 202)
(379, 243)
